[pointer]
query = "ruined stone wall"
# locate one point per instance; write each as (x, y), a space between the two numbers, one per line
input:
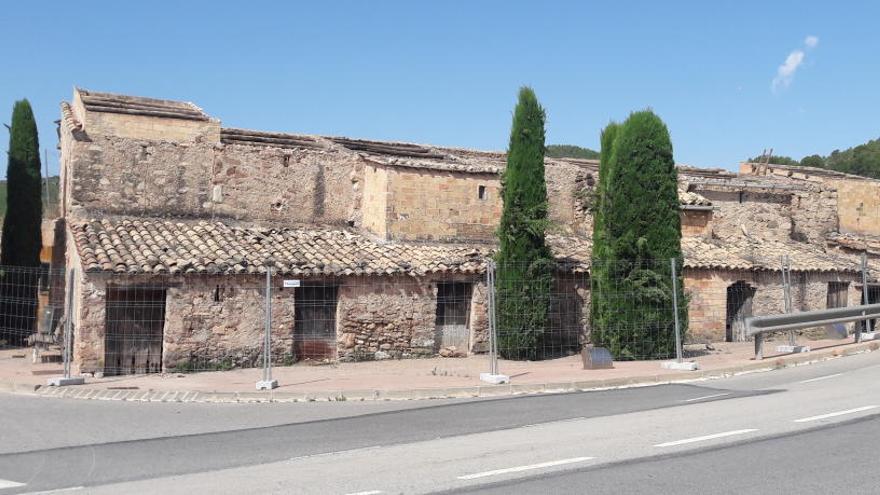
(385, 317)
(695, 222)
(130, 176)
(396, 317)
(760, 215)
(218, 323)
(814, 215)
(304, 186)
(375, 200)
(707, 293)
(146, 128)
(569, 188)
(89, 321)
(434, 205)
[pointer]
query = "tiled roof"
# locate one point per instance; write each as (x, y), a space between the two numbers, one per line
(157, 246)
(869, 243)
(230, 135)
(763, 255)
(163, 246)
(139, 105)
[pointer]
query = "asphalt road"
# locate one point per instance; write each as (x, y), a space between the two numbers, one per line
(743, 434)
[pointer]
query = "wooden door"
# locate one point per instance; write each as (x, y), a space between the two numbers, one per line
(314, 327)
(739, 307)
(453, 315)
(135, 322)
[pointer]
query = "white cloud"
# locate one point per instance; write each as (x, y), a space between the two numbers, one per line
(785, 72)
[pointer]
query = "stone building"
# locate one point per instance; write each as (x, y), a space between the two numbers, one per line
(172, 220)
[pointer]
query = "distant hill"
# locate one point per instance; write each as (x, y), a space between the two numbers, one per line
(571, 151)
(50, 209)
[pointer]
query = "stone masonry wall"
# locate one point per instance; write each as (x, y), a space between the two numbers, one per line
(395, 317)
(739, 214)
(218, 322)
(303, 186)
(859, 206)
(707, 290)
(434, 205)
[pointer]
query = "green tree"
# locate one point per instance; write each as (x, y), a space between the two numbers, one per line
(21, 239)
(775, 159)
(863, 160)
(638, 232)
(571, 151)
(813, 161)
(525, 264)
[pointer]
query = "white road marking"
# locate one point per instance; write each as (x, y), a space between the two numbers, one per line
(820, 378)
(517, 469)
(834, 414)
(9, 484)
(60, 490)
(371, 492)
(338, 452)
(706, 437)
(706, 397)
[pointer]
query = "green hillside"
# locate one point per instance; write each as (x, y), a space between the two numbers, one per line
(571, 151)
(863, 159)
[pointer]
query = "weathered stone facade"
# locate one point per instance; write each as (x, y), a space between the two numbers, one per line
(158, 161)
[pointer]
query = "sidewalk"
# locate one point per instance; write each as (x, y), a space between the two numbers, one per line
(403, 379)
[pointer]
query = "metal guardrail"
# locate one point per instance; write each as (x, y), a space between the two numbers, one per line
(757, 326)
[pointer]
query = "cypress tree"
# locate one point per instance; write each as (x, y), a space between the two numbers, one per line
(598, 269)
(21, 239)
(525, 264)
(639, 230)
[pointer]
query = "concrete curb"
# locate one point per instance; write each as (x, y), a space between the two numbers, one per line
(476, 391)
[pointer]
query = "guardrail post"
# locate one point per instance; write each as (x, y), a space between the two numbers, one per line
(858, 333)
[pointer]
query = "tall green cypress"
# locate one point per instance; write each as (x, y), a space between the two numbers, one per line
(599, 265)
(21, 240)
(638, 232)
(525, 264)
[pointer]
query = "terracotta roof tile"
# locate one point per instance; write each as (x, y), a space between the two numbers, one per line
(164, 246)
(159, 246)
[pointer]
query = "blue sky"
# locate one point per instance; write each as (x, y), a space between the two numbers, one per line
(447, 72)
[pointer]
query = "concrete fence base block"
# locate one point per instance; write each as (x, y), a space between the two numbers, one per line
(494, 379)
(870, 336)
(682, 366)
(792, 349)
(62, 382)
(267, 384)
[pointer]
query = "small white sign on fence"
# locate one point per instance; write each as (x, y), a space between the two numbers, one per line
(288, 284)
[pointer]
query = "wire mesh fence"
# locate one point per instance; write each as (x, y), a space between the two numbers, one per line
(124, 324)
(29, 305)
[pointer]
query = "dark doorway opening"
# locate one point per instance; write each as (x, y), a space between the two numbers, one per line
(314, 327)
(135, 322)
(453, 315)
(739, 307)
(873, 298)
